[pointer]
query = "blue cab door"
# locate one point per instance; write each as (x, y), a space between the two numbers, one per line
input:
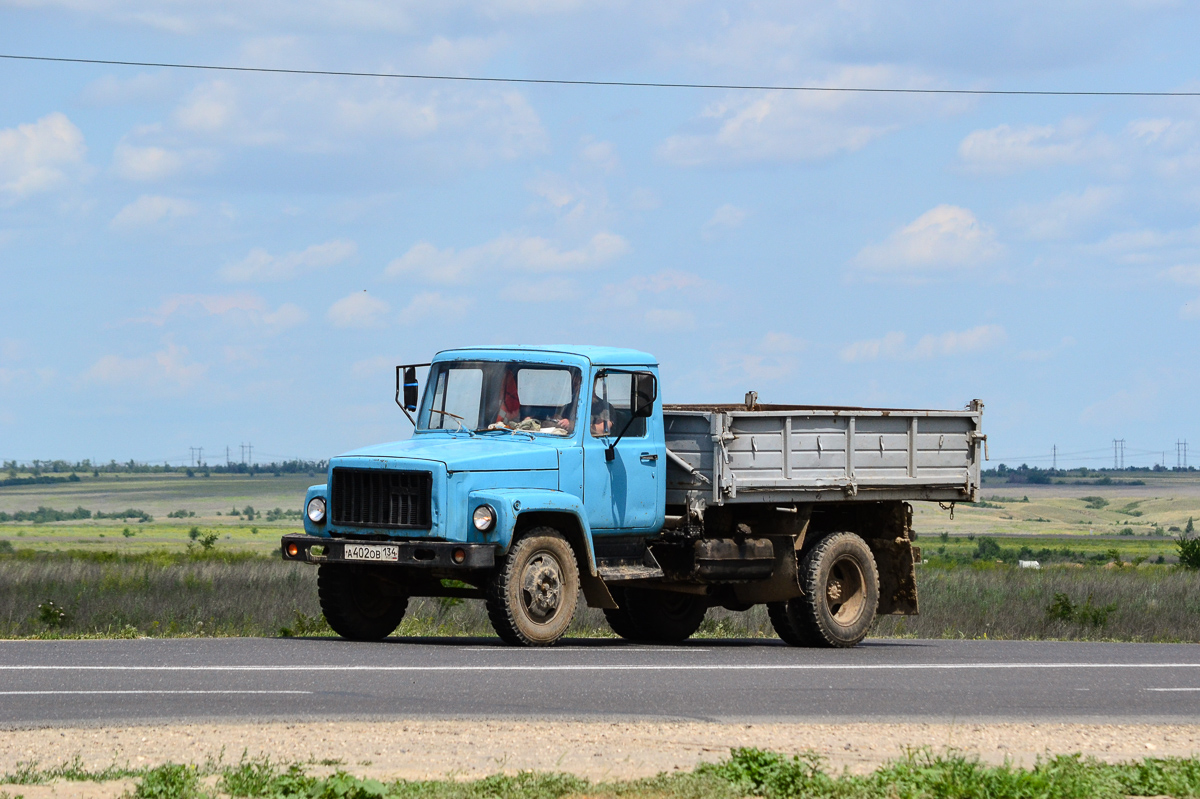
(626, 493)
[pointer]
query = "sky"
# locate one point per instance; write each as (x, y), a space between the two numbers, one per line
(207, 259)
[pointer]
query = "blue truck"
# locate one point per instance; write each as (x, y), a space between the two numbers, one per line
(535, 475)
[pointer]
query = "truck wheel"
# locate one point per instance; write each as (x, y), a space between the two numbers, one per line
(618, 618)
(663, 617)
(358, 603)
(841, 593)
(532, 595)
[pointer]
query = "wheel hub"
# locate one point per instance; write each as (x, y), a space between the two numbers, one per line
(542, 587)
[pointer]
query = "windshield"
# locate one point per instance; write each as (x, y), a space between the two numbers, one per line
(490, 395)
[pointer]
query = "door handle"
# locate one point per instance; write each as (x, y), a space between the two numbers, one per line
(649, 456)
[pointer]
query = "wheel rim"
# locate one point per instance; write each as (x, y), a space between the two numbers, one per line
(542, 587)
(845, 590)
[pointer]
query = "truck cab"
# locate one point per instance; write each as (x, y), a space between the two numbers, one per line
(506, 440)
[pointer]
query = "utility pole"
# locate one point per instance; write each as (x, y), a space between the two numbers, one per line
(243, 446)
(192, 456)
(1114, 454)
(250, 449)
(227, 455)
(1055, 461)
(200, 460)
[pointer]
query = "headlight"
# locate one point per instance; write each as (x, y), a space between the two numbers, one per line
(316, 510)
(484, 518)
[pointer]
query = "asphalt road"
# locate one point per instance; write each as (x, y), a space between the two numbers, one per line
(68, 682)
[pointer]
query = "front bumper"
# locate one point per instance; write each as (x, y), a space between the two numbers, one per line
(418, 554)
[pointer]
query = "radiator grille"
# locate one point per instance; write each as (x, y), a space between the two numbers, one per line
(381, 498)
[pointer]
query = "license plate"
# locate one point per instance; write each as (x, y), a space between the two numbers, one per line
(372, 552)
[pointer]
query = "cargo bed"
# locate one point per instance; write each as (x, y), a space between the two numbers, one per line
(798, 453)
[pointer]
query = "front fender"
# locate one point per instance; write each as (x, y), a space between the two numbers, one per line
(512, 503)
(321, 529)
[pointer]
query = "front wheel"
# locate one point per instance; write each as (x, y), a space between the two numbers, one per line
(841, 594)
(358, 603)
(532, 595)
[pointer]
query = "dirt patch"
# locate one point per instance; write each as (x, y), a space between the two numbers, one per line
(595, 749)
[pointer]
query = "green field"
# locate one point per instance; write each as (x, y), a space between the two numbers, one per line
(1107, 573)
(211, 499)
(1138, 521)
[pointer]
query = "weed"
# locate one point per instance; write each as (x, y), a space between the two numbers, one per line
(1063, 609)
(305, 625)
(52, 615)
(169, 781)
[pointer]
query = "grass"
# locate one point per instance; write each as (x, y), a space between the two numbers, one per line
(746, 772)
(222, 593)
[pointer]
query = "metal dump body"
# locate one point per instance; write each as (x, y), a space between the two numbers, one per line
(793, 453)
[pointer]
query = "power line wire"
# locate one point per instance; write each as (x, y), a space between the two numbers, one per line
(612, 83)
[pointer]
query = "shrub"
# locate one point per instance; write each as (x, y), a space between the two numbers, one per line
(1063, 609)
(987, 549)
(1189, 551)
(1095, 503)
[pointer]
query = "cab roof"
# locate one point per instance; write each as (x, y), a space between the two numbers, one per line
(594, 354)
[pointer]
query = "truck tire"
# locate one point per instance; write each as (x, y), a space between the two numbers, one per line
(618, 618)
(841, 593)
(357, 603)
(532, 595)
(663, 617)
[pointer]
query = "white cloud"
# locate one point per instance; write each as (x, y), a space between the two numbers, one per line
(433, 306)
(527, 254)
(37, 156)
(945, 237)
(148, 209)
(1187, 274)
(957, 343)
(1126, 405)
(601, 154)
(1066, 215)
(260, 266)
(359, 309)
(249, 306)
(286, 315)
(1005, 149)
(167, 369)
(893, 346)
(776, 126)
(209, 108)
(146, 163)
(890, 346)
(628, 292)
(142, 88)
(725, 218)
(669, 319)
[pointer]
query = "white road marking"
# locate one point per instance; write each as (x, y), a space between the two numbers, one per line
(624, 667)
(1172, 689)
(101, 691)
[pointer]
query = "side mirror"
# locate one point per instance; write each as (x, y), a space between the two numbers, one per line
(645, 391)
(411, 388)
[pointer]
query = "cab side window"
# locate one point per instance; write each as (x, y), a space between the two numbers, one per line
(611, 406)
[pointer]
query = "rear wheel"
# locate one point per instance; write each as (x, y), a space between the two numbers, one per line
(532, 595)
(358, 603)
(841, 593)
(663, 617)
(618, 618)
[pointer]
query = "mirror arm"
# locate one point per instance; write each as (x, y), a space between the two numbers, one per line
(399, 372)
(398, 402)
(611, 452)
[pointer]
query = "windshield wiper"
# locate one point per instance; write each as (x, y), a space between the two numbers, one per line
(457, 420)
